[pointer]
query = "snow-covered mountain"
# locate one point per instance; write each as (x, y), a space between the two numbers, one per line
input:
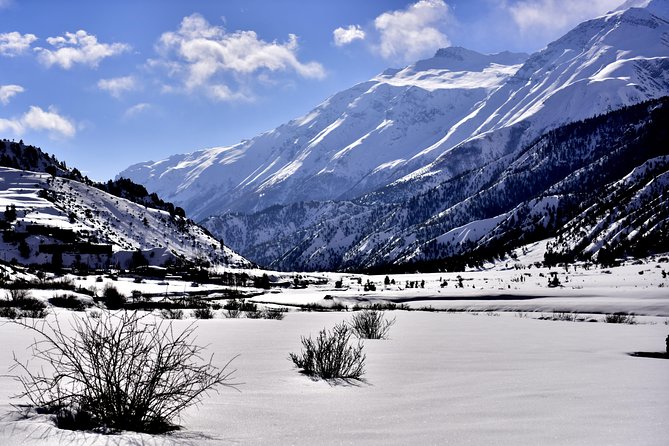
(398, 123)
(576, 185)
(333, 151)
(53, 216)
(424, 162)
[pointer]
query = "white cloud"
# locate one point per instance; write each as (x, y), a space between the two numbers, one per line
(8, 91)
(78, 48)
(5, 3)
(137, 109)
(40, 120)
(118, 85)
(206, 57)
(548, 16)
(15, 43)
(414, 32)
(344, 36)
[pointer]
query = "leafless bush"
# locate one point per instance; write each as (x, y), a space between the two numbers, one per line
(120, 371)
(9, 312)
(112, 298)
(17, 295)
(371, 324)
(331, 355)
(267, 313)
(203, 313)
(274, 313)
(620, 318)
(233, 314)
(172, 313)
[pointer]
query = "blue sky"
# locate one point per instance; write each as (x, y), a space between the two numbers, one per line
(106, 84)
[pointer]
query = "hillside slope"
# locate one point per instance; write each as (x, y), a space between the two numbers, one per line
(55, 220)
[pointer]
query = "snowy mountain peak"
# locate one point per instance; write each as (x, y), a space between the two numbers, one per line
(456, 59)
(656, 7)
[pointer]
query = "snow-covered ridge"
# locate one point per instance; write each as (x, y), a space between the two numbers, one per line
(95, 227)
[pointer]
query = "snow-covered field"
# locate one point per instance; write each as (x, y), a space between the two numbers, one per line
(481, 375)
(442, 378)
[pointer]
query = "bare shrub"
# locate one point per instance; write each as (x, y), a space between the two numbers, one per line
(233, 314)
(172, 313)
(17, 295)
(620, 318)
(118, 372)
(21, 304)
(258, 314)
(371, 324)
(112, 298)
(274, 313)
(203, 313)
(9, 312)
(69, 301)
(267, 313)
(33, 308)
(331, 355)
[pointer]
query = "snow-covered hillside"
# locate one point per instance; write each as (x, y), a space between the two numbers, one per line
(57, 220)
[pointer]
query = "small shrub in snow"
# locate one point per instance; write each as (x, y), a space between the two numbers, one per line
(68, 301)
(268, 313)
(17, 295)
(331, 355)
(233, 314)
(203, 313)
(118, 372)
(172, 313)
(620, 318)
(26, 306)
(274, 313)
(240, 305)
(9, 312)
(370, 324)
(112, 298)
(564, 316)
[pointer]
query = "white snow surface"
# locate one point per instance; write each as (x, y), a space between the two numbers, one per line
(481, 376)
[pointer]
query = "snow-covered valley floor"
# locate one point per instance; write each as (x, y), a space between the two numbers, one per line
(478, 376)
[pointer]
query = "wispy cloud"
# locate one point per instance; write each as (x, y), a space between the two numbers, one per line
(207, 58)
(118, 85)
(551, 16)
(137, 109)
(8, 91)
(38, 119)
(77, 48)
(414, 32)
(14, 43)
(344, 36)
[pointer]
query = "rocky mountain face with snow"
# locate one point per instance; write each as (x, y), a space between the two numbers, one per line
(333, 151)
(565, 181)
(52, 215)
(459, 156)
